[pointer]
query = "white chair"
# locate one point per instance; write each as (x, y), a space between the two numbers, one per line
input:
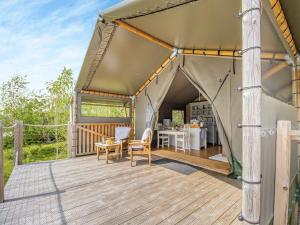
(203, 138)
(163, 140)
(183, 140)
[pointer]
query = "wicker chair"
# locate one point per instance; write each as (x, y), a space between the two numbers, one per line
(141, 147)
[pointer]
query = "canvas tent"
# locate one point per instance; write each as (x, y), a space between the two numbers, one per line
(138, 47)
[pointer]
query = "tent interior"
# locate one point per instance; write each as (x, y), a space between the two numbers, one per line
(185, 109)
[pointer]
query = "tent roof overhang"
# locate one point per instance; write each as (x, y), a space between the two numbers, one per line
(136, 38)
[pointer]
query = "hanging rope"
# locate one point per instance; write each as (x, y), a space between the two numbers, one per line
(220, 87)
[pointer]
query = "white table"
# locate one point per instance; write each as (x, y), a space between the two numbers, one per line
(196, 141)
(169, 132)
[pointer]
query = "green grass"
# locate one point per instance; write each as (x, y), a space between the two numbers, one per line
(34, 153)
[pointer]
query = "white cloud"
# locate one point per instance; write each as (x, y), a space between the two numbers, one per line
(39, 38)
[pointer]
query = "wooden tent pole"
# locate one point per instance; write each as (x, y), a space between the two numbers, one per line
(273, 56)
(274, 70)
(106, 94)
(283, 25)
(156, 73)
(251, 122)
(143, 34)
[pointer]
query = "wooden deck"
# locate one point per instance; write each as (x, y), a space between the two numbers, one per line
(87, 191)
(197, 159)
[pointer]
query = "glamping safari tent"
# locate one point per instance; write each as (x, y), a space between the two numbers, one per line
(241, 56)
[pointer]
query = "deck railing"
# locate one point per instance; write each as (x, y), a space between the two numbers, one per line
(88, 134)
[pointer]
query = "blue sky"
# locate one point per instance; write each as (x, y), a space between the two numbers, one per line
(39, 37)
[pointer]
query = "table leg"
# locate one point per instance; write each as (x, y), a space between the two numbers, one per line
(175, 142)
(121, 150)
(97, 149)
(118, 152)
(106, 150)
(157, 139)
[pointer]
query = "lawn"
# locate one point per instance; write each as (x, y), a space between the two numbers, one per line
(34, 153)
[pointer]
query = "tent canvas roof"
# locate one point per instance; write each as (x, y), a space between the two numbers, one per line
(119, 61)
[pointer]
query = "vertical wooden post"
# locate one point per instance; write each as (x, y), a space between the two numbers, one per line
(72, 140)
(296, 82)
(251, 122)
(282, 177)
(1, 165)
(18, 143)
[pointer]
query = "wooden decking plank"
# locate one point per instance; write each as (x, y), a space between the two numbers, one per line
(159, 212)
(87, 191)
(230, 215)
(101, 194)
(141, 199)
(189, 209)
(200, 211)
(133, 214)
(236, 222)
(214, 209)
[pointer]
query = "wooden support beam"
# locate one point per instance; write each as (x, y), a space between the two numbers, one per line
(274, 70)
(143, 34)
(231, 54)
(156, 73)
(105, 94)
(282, 176)
(283, 24)
(276, 15)
(251, 109)
(1, 165)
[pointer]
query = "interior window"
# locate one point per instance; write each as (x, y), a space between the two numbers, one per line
(178, 117)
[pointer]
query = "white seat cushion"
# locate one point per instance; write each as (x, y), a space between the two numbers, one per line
(147, 134)
(137, 147)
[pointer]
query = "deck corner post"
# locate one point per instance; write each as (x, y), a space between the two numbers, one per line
(251, 111)
(71, 140)
(282, 176)
(18, 143)
(1, 165)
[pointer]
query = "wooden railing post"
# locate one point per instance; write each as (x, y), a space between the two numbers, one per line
(1, 165)
(72, 140)
(18, 143)
(282, 177)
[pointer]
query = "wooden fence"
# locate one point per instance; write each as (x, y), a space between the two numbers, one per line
(89, 134)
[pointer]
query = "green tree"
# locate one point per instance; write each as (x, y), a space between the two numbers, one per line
(60, 94)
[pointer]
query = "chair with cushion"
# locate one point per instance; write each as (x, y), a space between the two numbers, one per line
(121, 135)
(141, 147)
